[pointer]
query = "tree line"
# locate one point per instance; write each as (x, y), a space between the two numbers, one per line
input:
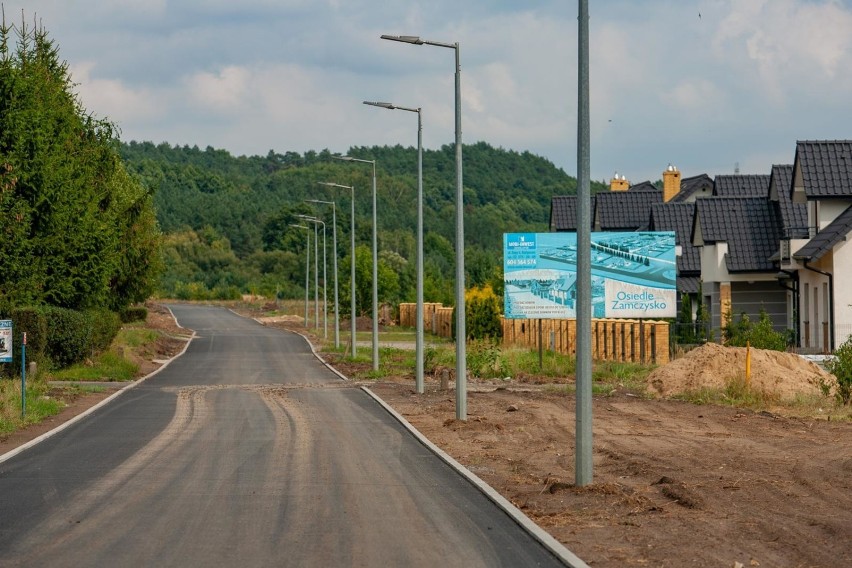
(227, 218)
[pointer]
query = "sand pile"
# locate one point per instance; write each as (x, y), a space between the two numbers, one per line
(712, 365)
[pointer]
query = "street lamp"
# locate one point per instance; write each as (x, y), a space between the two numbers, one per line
(461, 333)
(316, 221)
(334, 264)
(375, 263)
(418, 371)
(352, 283)
(307, 267)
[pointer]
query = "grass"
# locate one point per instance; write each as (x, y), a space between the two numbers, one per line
(108, 366)
(39, 405)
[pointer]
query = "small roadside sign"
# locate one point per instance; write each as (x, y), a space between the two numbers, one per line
(5, 341)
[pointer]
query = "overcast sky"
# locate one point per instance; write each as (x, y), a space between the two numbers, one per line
(705, 85)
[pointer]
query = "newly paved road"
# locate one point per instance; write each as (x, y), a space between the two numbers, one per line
(246, 451)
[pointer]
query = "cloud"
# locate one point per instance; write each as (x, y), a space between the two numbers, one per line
(787, 47)
(225, 91)
(113, 99)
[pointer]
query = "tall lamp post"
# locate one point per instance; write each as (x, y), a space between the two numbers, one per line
(375, 263)
(307, 267)
(334, 266)
(352, 283)
(316, 221)
(418, 372)
(461, 333)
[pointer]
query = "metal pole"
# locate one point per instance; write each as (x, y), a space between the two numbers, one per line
(324, 285)
(583, 458)
(336, 303)
(418, 376)
(352, 284)
(418, 373)
(461, 333)
(307, 274)
(316, 277)
(336, 296)
(375, 281)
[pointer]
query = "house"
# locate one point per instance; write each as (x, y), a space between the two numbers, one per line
(738, 237)
(812, 262)
(750, 243)
(678, 217)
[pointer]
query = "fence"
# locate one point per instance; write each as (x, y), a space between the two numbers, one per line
(638, 341)
(612, 339)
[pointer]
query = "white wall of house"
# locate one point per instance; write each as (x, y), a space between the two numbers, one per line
(842, 256)
(825, 211)
(713, 267)
(813, 315)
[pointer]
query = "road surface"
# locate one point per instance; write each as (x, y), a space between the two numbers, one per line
(247, 451)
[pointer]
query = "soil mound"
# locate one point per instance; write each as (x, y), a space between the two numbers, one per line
(783, 375)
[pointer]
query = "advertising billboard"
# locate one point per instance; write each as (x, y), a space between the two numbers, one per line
(633, 275)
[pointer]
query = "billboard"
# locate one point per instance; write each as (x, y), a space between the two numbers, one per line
(633, 275)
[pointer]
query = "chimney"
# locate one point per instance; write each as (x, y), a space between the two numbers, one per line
(618, 183)
(671, 183)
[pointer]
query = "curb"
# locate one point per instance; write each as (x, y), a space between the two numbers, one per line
(557, 548)
(12, 453)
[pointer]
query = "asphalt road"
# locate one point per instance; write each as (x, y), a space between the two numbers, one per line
(247, 451)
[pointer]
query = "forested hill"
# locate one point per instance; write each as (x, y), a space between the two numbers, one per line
(241, 208)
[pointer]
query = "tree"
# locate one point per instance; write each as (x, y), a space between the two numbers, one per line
(77, 229)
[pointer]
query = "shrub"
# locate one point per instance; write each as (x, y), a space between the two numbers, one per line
(104, 325)
(134, 313)
(482, 314)
(759, 336)
(841, 367)
(69, 336)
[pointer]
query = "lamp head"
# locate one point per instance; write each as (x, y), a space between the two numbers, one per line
(382, 105)
(404, 39)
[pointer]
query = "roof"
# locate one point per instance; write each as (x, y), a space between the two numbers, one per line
(625, 210)
(678, 217)
(826, 239)
(701, 183)
(741, 185)
(643, 186)
(825, 167)
(750, 225)
(794, 216)
(689, 284)
(563, 213)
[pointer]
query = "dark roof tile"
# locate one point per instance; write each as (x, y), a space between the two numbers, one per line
(678, 217)
(741, 186)
(794, 216)
(825, 240)
(826, 167)
(563, 213)
(625, 210)
(750, 225)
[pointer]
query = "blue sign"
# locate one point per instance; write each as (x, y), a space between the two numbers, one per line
(5, 341)
(633, 275)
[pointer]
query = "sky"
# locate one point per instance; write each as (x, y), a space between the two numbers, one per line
(709, 86)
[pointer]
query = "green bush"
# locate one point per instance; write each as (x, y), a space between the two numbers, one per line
(841, 367)
(131, 314)
(69, 336)
(482, 314)
(104, 325)
(759, 336)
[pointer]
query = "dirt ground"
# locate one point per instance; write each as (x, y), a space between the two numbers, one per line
(675, 484)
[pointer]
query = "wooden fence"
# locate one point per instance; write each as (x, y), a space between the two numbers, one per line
(612, 339)
(638, 341)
